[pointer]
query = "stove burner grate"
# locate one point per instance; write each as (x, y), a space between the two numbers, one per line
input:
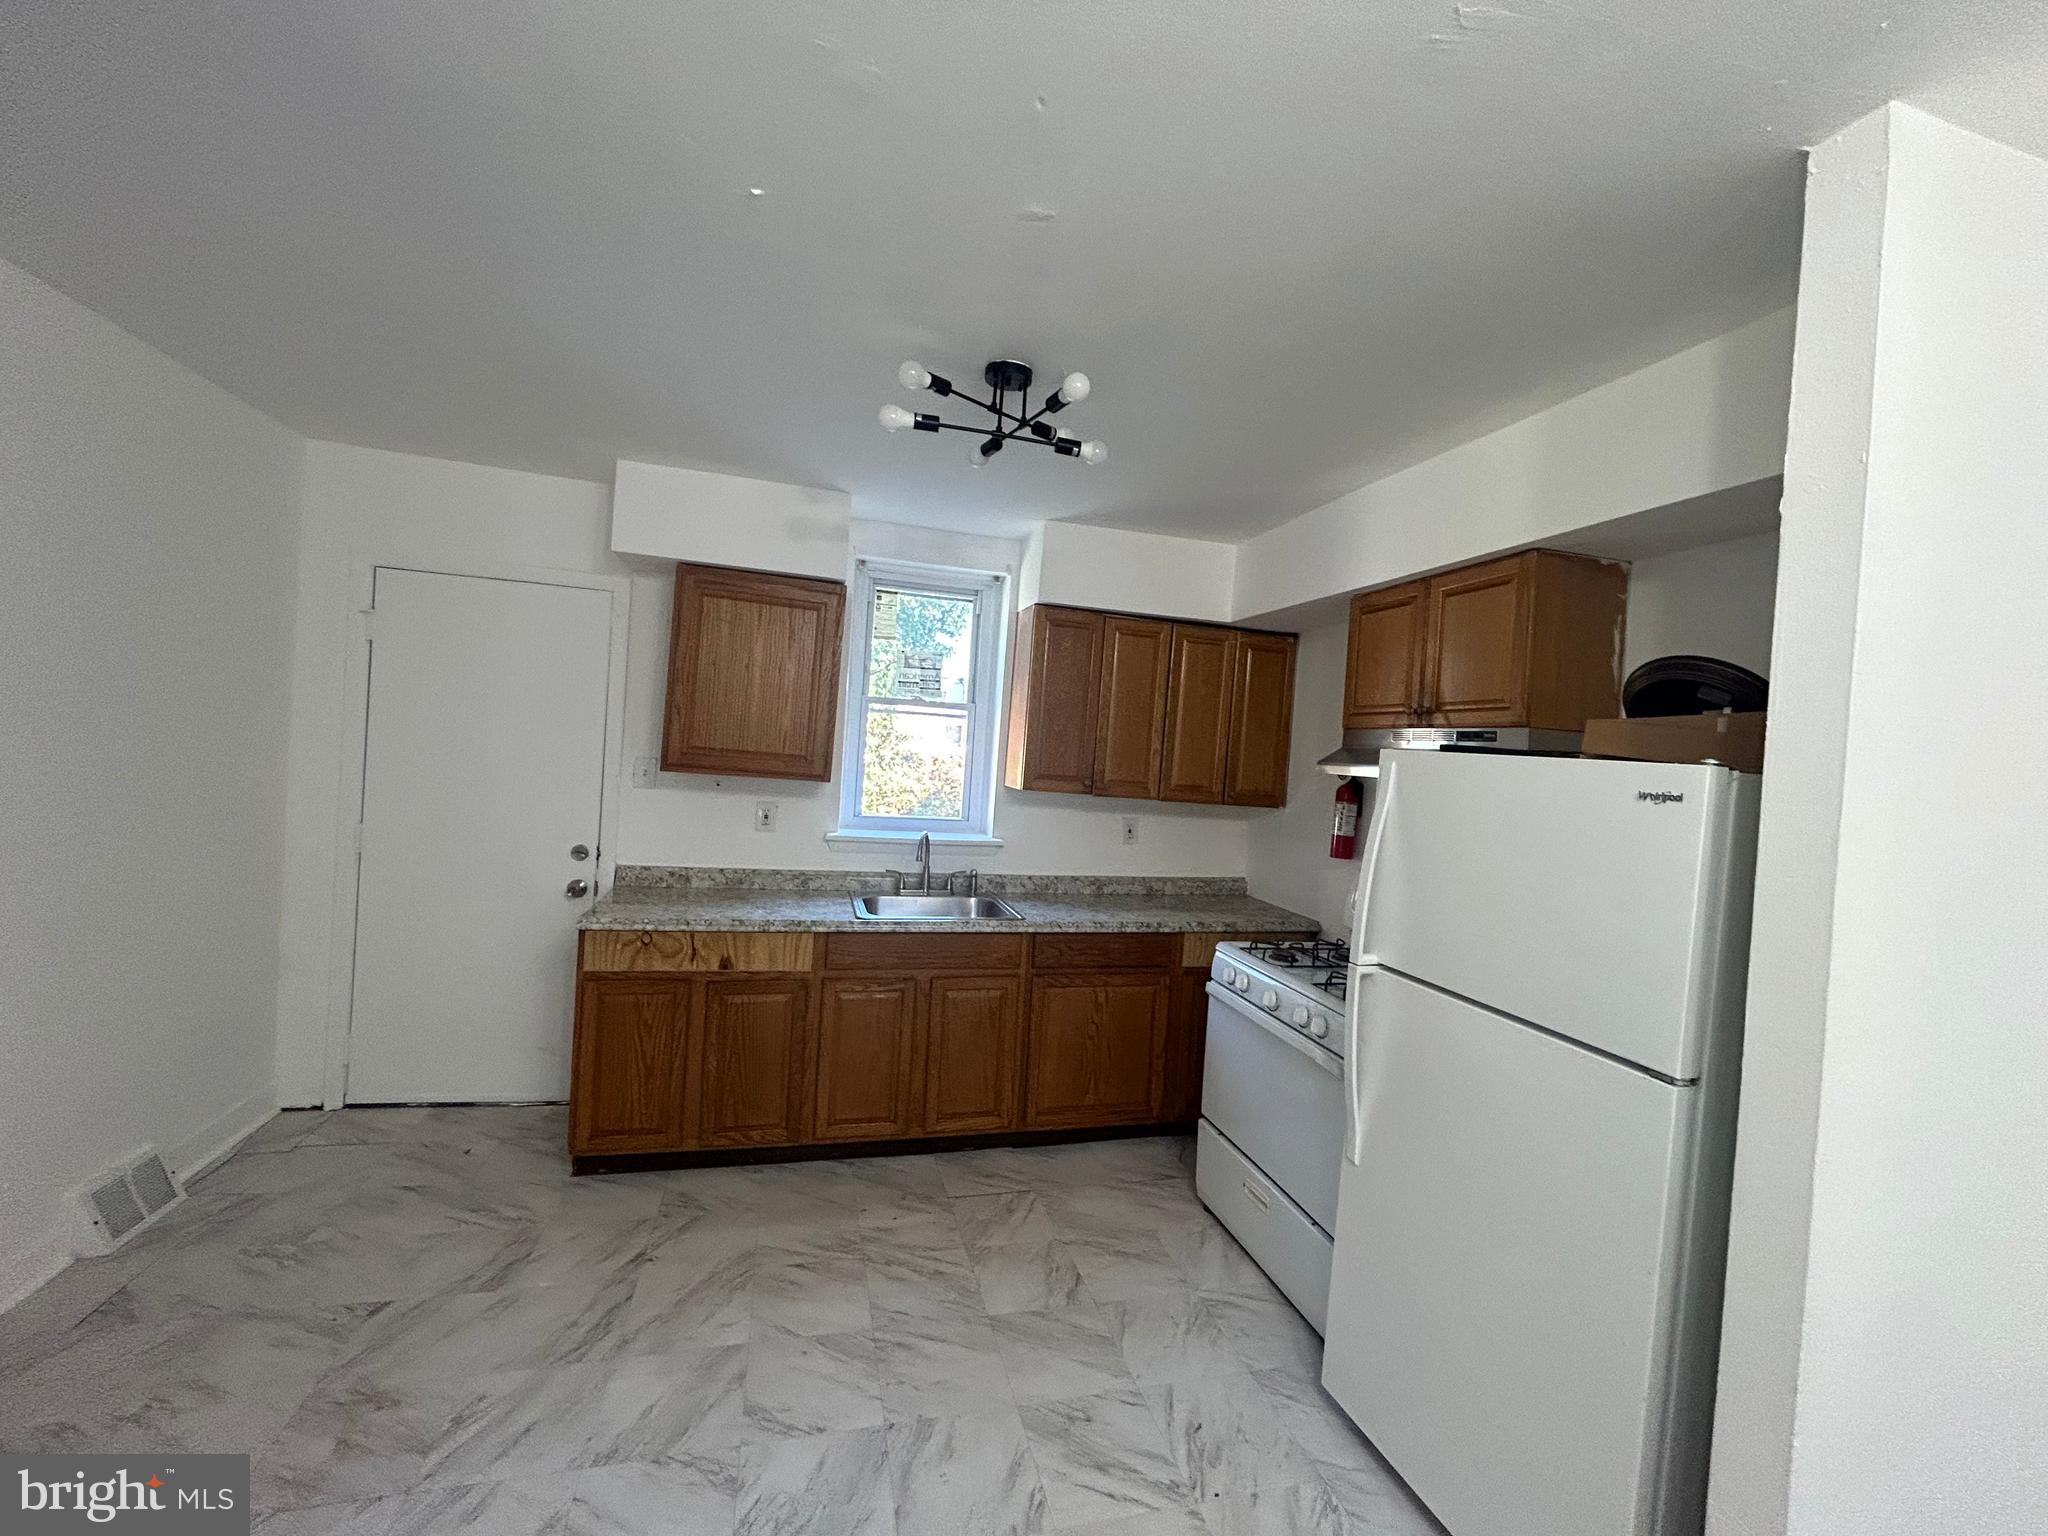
(1301, 954)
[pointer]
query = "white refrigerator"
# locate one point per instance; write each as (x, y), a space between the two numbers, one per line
(1544, 1024)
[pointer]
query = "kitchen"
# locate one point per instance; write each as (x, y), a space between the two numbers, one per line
(624, 943)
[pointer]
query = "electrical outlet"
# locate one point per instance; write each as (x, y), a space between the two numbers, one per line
(1130, 830)
(764, 815)
(646, 772)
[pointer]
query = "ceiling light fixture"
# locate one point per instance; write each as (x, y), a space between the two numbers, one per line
(1014, 422)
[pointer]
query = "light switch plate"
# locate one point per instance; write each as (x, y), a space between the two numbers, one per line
(1130, 830)
(646, 772)
(764, 814)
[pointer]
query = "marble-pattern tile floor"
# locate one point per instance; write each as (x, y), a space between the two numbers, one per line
(415, 1321)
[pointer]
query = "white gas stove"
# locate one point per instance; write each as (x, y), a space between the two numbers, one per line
(1271, 1139)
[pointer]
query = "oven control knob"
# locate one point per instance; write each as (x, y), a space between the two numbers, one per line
(1298, 1016)
(1320, 1028)
(1239, 980)
(1270, 1000)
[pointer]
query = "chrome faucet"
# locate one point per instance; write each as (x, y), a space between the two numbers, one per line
(924, 863)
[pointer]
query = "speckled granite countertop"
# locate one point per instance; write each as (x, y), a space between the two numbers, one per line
(755, 901)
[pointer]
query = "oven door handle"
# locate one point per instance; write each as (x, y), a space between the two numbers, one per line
(1275, 1028)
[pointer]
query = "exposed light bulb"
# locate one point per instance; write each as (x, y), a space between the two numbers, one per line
(1074, 388)
(1094, 451)
(914, 376)
(984, 450)
(895, 418)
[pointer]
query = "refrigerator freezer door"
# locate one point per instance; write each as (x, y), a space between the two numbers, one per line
(1503, 1287)
(1589, 897)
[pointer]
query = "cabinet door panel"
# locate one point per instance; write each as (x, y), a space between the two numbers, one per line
(753, 674)
(1097, 1049)
(1384, 657)
(974, 1055)
(755, 1037)
(1187, 1035)
(1131, 716)
(1261, 720)
(632, 1034)
(867, 1059)
(1197, 713)
(1052, 700)
(1478, 667)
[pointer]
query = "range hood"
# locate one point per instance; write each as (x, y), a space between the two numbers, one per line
(1359, 757)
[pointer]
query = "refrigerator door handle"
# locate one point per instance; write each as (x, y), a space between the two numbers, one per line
(1375, 836)
(1354, 1067)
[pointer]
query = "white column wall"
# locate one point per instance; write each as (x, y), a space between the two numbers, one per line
(1885, 1365)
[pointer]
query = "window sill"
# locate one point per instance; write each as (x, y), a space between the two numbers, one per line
(860, 837)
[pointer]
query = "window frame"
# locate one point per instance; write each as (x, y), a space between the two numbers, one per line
(989, 592)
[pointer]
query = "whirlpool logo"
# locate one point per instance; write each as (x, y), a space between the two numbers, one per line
(192, 1496)
(1661, 796)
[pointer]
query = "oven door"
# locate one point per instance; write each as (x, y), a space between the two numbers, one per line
(1278, 1098)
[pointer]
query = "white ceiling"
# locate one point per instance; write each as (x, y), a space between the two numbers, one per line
(1296, 245)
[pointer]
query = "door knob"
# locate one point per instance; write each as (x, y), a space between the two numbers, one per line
(580, 852)
(577, 888)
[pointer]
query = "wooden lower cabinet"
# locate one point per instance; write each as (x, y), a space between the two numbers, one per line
(1187, 1034)
(751, 1061)
(867, 1059)
(1097, 1049)
(631, 1055)
(890, 1037)
(974, 1054)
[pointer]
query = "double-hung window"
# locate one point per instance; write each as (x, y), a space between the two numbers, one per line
(920, 742)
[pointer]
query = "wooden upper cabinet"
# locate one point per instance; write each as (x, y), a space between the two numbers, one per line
(1097, 1049)
(974, 1054)
(868, 1050)
(1383, 659)
(1578, 619)
(631, 1055)
(1261, 720)
(1053, 700)
(1530, 640)
(1131, 706)
(1477, 669)
(1200, 673)
(754, 1042)
(753, 674)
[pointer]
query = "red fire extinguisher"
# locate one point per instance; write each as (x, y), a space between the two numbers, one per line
(1344, 830)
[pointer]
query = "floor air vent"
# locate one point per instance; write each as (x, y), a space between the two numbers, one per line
(127, 1200)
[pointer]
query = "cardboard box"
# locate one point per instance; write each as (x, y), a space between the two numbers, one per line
(1734, 741)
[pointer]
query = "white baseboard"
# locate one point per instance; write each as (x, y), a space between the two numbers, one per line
(208, 1147)
(215, 1142)
(26, 1273)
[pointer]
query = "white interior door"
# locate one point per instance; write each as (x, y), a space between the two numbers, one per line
(483, 767)
(1503, 1288)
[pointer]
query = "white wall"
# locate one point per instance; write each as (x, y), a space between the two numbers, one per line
(364, 506)
(1715, 600)
(1669, 436)
(1084, 566)
(762, 525)
(1886, 1359)
(145, 618)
